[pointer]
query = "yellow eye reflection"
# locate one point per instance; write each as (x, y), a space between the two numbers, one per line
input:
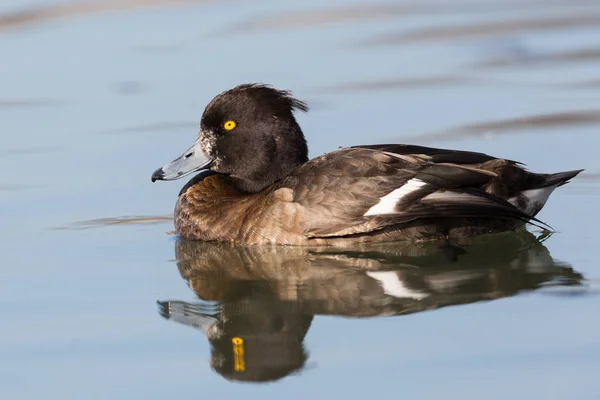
(238, 354)
(229, 125)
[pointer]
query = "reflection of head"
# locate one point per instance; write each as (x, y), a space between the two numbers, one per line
(258, 340)
(264, 358)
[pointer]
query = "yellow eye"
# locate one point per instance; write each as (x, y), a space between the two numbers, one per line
(229, 125)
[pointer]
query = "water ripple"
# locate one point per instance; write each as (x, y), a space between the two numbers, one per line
(553, 120)
(492, 28)
(40, 14)
(111, 221)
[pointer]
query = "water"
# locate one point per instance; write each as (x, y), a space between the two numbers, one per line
(99, 301)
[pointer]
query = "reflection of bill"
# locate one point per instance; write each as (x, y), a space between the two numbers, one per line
(258, 302)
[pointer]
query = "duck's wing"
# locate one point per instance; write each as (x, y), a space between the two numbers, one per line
(436, 155)
(359, 190)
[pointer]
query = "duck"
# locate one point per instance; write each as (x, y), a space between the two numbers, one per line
(254, 183)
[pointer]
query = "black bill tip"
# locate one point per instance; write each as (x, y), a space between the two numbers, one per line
(158, 175)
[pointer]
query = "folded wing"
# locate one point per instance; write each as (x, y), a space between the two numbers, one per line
(381, 186)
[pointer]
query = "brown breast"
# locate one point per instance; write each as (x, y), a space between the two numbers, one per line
(213, 210)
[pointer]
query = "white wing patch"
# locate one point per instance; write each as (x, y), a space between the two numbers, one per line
(388, 202)
(393, 285)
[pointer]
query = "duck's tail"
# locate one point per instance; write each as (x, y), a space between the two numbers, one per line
(560, 178)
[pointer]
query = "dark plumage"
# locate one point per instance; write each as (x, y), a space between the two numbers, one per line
(257, 186)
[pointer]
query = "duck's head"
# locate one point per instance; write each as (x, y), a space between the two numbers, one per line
(248, 133)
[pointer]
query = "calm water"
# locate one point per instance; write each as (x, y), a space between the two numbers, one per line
(99, 301)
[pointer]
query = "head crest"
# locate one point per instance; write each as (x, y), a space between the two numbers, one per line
(269, 93)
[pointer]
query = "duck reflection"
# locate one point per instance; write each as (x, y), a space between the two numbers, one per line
(258, 302)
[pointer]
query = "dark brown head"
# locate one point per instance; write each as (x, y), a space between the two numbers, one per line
(248, 133)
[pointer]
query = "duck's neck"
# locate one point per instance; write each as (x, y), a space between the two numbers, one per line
(283, 154)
